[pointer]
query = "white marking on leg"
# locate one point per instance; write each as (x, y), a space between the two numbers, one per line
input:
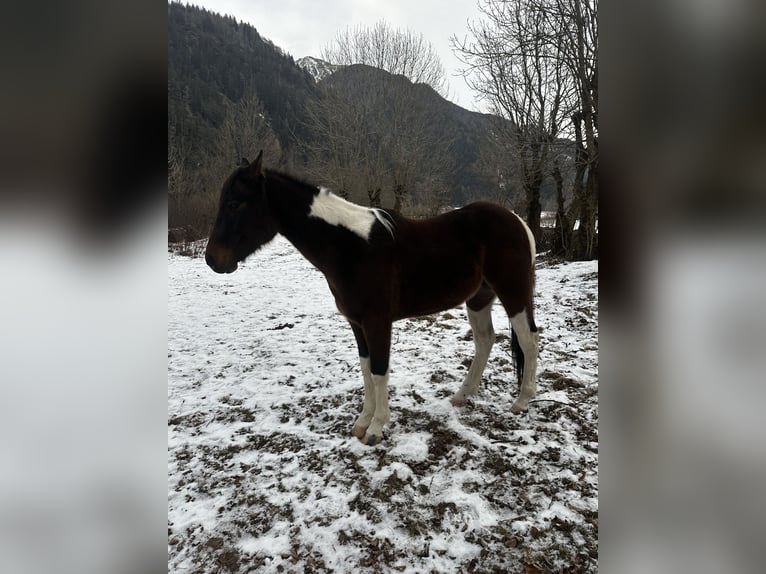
(483, 338)
(529, 236)
(337, 211)
(382, 412)
(368, 409)
(528, 341)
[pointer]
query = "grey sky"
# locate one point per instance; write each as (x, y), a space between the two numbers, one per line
(304, 27)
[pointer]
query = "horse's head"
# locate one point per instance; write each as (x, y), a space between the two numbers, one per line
(244, 221)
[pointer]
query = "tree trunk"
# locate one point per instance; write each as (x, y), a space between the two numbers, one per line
(532, 189)
(563, 229)
(374, 195)
(585, 238)
(584, 205)
(533, 210)
(400, 192)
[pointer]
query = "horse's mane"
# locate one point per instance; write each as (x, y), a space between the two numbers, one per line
(292, 179)
(380, 215)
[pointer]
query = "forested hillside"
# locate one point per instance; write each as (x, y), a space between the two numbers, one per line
(214, 61)
(231, 92)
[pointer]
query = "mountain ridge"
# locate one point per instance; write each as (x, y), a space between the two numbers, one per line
(318, 68)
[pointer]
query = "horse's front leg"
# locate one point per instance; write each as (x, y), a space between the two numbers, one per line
(377, 335)
(368, 409)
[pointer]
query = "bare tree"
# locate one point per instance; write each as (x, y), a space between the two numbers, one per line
(395, 51)
(511, 63)
(244, 131)
(185, 183)
(374, 133)
(578, 24)
(502, 183)
(346, 152)
(534, 61)
(193, 185)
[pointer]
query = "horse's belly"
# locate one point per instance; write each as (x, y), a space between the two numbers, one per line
(437, 292)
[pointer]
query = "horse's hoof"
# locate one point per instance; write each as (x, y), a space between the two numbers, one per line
(518, 410)
(457, 402)
(359, 432)
(372, 440)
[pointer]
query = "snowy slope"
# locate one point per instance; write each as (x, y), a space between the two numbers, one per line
(264, 387)
(319, 69)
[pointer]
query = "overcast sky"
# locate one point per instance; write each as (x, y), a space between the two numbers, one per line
(304, 27)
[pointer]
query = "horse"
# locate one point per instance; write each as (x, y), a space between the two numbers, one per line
(381, 267)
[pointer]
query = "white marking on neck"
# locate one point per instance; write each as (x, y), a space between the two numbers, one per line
(337, 211)
(529, 236)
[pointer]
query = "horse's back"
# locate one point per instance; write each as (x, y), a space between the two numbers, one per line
(502, 229)
(441, 261)
(507, 245)
(494, 220)
(479, 225)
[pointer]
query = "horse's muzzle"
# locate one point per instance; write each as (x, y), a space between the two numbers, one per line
(226, 266)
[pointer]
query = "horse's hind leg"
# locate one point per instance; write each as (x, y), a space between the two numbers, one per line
(479, 309)
(524, 327)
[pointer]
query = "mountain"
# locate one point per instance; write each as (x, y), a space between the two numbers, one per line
(214, 61)
(454, 133)
(216, 65)
(319, 69)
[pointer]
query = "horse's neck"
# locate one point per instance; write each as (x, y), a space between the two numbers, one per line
(325, 228)
(291, 202)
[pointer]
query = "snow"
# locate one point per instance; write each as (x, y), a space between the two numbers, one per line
(411, 446)
(264, 386)
(276, 541)
(318, 68)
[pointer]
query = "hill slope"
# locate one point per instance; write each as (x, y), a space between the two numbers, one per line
(214, 60)
(457, 134)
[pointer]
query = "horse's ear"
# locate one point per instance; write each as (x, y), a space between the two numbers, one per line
(255, 167)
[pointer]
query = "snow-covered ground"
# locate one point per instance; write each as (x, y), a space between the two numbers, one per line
(264, 476)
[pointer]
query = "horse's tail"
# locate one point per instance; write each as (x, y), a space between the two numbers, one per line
(518, 355)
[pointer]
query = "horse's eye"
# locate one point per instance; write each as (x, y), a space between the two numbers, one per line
(233, 204)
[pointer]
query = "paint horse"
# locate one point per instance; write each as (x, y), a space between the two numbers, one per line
(382, 266)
